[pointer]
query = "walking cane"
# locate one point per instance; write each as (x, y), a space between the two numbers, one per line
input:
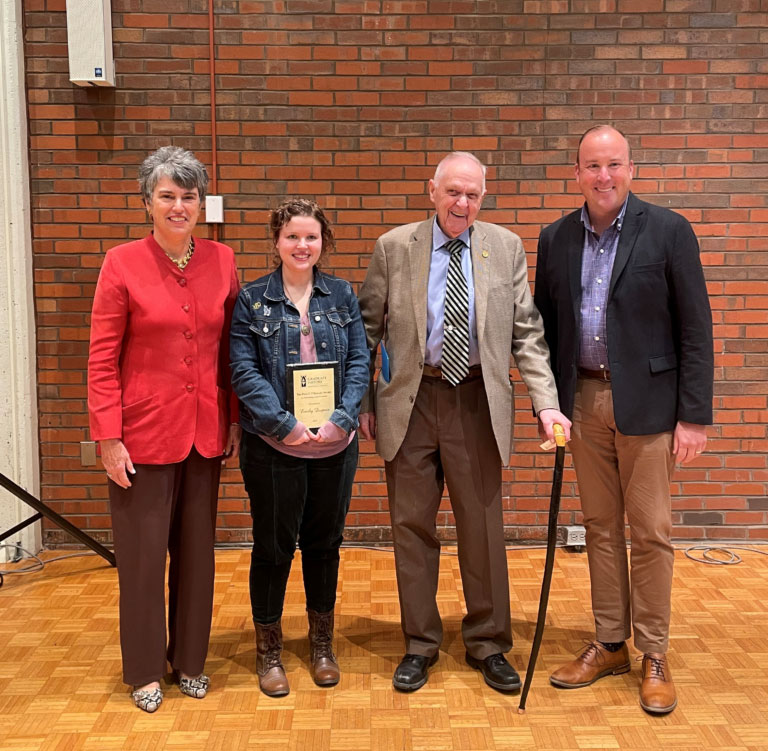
(554, 509)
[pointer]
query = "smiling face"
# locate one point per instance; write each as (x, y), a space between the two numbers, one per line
(604, 172)
(174, 211)
(300, 243)
(457, 192)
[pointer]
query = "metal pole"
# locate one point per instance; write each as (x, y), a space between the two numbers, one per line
(41, 508)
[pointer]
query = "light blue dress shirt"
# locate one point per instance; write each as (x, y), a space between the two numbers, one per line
(598, 256)
(438, 275)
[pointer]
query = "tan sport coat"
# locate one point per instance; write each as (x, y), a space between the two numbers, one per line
(393, 302)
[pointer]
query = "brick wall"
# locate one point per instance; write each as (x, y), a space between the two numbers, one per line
(353, 102)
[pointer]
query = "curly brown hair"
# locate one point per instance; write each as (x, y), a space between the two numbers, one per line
(300, 207)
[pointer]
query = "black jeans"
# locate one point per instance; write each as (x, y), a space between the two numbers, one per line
(295, 499)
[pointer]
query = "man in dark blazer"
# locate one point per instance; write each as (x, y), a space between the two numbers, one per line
(620, 288)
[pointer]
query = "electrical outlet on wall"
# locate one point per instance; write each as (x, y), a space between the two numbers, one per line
(575, 536)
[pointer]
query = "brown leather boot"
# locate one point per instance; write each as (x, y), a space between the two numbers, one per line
(657, 692)
(593, 663)
(269, 666)
(323, 665)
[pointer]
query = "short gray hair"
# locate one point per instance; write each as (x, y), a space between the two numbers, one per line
(179, 164)
(458, 155)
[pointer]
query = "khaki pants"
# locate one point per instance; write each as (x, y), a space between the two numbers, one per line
(620, 474)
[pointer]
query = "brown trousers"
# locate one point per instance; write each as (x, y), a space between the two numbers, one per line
(450, 438)
(169, 508)
(620, 474)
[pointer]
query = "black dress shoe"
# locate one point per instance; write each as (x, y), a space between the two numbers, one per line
(498, 673)
(411, 673)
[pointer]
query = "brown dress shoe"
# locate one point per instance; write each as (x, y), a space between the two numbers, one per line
(323, 665)
(269, 666)
(593, 663)
(657, 692)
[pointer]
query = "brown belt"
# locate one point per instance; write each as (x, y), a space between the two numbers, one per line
(599, 375)
(475, 371)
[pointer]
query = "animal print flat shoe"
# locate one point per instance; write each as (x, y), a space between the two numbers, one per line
(149, 701)
(197, 688)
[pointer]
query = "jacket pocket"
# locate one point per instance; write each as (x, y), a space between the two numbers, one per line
(143, 417)
(661, 363)
(141, 406)
(340, 317)
(649, 267)
(265, 327)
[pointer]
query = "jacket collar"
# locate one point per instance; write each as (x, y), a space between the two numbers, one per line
(276, 293)
(633, 222)
(419, 255)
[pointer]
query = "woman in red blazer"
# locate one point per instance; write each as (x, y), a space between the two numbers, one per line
(162, 409)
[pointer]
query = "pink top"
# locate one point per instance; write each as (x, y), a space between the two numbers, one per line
(311, 449)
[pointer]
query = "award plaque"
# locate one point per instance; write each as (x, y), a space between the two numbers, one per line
(313, 391)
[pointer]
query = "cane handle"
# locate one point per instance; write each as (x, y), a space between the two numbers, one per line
(559, 432)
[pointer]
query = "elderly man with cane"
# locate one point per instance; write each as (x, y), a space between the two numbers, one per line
(449, 297)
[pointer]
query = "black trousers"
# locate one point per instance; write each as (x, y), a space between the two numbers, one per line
(295, 499)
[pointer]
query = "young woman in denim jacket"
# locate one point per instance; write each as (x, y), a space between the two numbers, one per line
(299, 481)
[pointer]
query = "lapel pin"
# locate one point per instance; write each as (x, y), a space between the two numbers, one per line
(485, 254)
(256, 305)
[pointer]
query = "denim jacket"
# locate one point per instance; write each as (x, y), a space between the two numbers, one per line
(265, 337)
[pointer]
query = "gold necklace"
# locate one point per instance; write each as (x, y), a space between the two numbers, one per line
(182, 262)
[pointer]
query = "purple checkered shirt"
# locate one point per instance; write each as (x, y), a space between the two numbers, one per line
(596, 268)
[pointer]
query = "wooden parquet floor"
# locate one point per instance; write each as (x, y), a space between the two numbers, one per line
(60, 687)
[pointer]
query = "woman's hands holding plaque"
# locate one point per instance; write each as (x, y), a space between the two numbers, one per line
(330, 432)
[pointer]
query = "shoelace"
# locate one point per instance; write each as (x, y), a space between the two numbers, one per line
(657, 666)
(322, 649)
(592, 650)
(496, 660)
(322, 639)
(273, 649)
(272, 659)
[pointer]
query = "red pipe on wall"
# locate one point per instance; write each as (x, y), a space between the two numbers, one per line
(214, 152)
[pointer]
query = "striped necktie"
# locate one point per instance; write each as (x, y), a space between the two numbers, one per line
(455, 358)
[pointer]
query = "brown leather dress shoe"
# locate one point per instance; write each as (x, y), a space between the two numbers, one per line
(657, 692)
(593, 663)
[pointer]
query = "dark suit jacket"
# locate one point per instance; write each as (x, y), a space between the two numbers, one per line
(658, 319)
